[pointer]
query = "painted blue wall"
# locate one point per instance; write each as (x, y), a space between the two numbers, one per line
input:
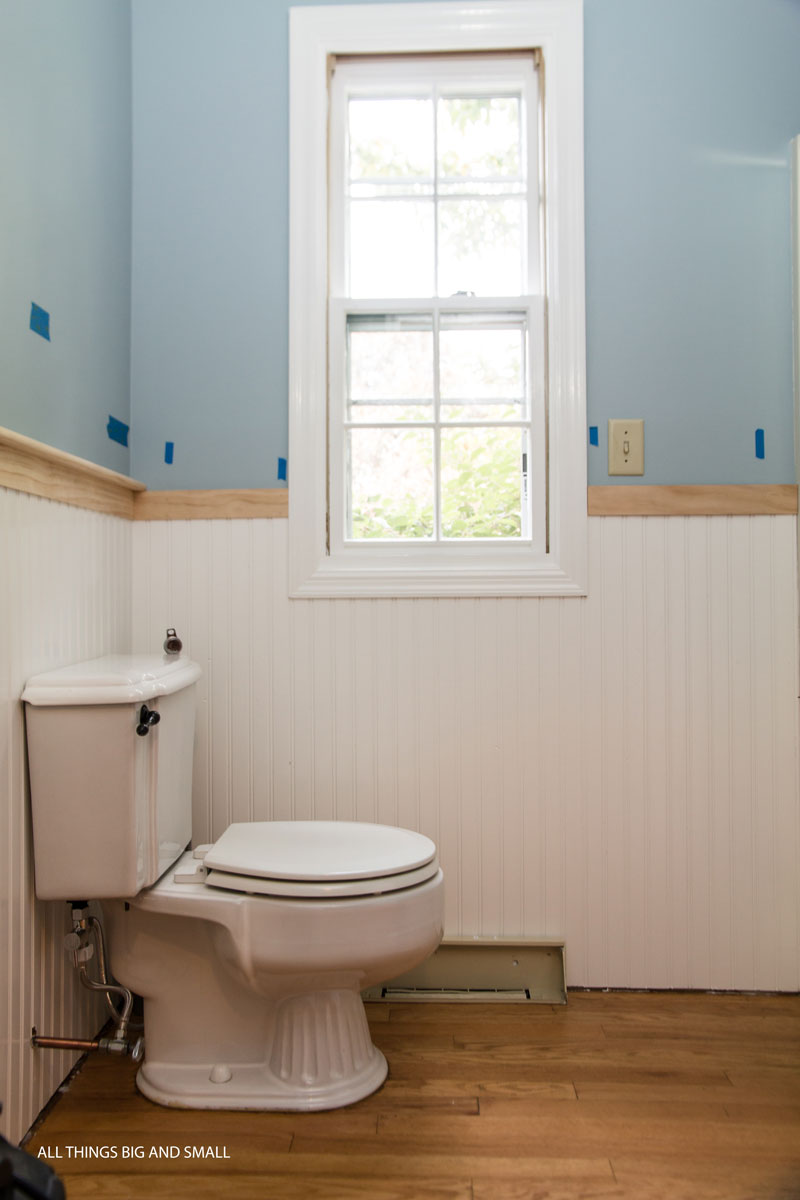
(65, 184)
(210, 230)
(690, 106)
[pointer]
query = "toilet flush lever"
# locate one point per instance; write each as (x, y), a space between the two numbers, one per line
(147, 717)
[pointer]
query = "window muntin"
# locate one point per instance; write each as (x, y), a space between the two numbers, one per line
(436, 164)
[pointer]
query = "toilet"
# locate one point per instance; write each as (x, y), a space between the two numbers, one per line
(250, 953)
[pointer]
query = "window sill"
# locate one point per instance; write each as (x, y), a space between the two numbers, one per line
(331, 581)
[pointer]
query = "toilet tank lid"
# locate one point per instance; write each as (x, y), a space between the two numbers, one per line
(112, 679)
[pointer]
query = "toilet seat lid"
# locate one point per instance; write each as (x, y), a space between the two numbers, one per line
(324, 852)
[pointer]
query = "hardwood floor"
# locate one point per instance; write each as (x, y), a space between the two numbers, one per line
(645, 1096)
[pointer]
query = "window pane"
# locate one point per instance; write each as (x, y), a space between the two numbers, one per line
(391, 248)
(479, 137)
(478, 365)
(390, 368)
(390, 138)
(481, 247)
(482, 483)
(391, 483)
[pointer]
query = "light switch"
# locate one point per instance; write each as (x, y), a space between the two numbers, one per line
(626, 447)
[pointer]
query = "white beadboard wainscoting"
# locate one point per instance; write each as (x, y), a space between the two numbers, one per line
(620, 771)
(65, 587)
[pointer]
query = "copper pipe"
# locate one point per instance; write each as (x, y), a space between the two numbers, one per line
(118, 1046)
(54, 1043)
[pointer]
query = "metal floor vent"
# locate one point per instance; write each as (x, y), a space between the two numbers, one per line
(455, 995)
(483, 971)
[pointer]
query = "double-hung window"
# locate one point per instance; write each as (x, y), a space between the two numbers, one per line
(435, 438)
(436, 407)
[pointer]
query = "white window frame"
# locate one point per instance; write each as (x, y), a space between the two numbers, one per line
(555, 27)
(432, 76)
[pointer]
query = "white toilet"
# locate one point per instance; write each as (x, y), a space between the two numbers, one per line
(250, 954)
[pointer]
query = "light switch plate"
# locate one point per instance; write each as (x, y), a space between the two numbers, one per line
(626, 447)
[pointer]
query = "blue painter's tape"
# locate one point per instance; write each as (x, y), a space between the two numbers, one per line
(169, 450)
(594, 437)
(281, 468)
(40, 321)
(117, 431)
(759, 443)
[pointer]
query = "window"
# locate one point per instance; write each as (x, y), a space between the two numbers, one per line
(436, 396)
(437, 408)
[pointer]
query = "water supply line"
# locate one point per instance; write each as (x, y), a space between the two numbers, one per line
(82, 953)
(86, 941)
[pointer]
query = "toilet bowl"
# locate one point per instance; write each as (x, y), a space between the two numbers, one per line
(251, 953)
(251, 998)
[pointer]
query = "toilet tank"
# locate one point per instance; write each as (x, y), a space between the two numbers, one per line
(111, 807)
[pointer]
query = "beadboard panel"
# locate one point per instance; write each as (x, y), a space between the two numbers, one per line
(64, 596)
(619, 770)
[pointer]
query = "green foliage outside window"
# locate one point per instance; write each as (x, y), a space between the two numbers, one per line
(481, 496)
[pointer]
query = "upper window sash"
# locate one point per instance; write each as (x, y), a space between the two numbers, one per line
(422, 82)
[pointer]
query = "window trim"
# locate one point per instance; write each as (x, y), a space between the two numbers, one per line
(317, 33)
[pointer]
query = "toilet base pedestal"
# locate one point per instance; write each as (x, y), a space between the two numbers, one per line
(321, 1056)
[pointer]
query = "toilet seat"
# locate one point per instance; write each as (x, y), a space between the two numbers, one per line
(306, 890)
(318, 859)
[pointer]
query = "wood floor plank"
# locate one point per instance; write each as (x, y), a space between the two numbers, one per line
(64, 1124)
(725, 1093)
(444, 1181)
(272, 1186)
(782, 1080)
(687, 1049)
(377, 1013)
(640, 1188)
(658, 1179)
(397, 1035)
(349, 1123)
(392, 1098)
(497, 1061)
(652, 1091)
(524, 1034)
(489, 1187)
(337, 1160)
(570, 1132)
(657, 1109)
(786, 1115)
(785, 1031)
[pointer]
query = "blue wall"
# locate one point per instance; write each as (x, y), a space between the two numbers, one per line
(690, 107)
(65, 184)
(210, 242)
